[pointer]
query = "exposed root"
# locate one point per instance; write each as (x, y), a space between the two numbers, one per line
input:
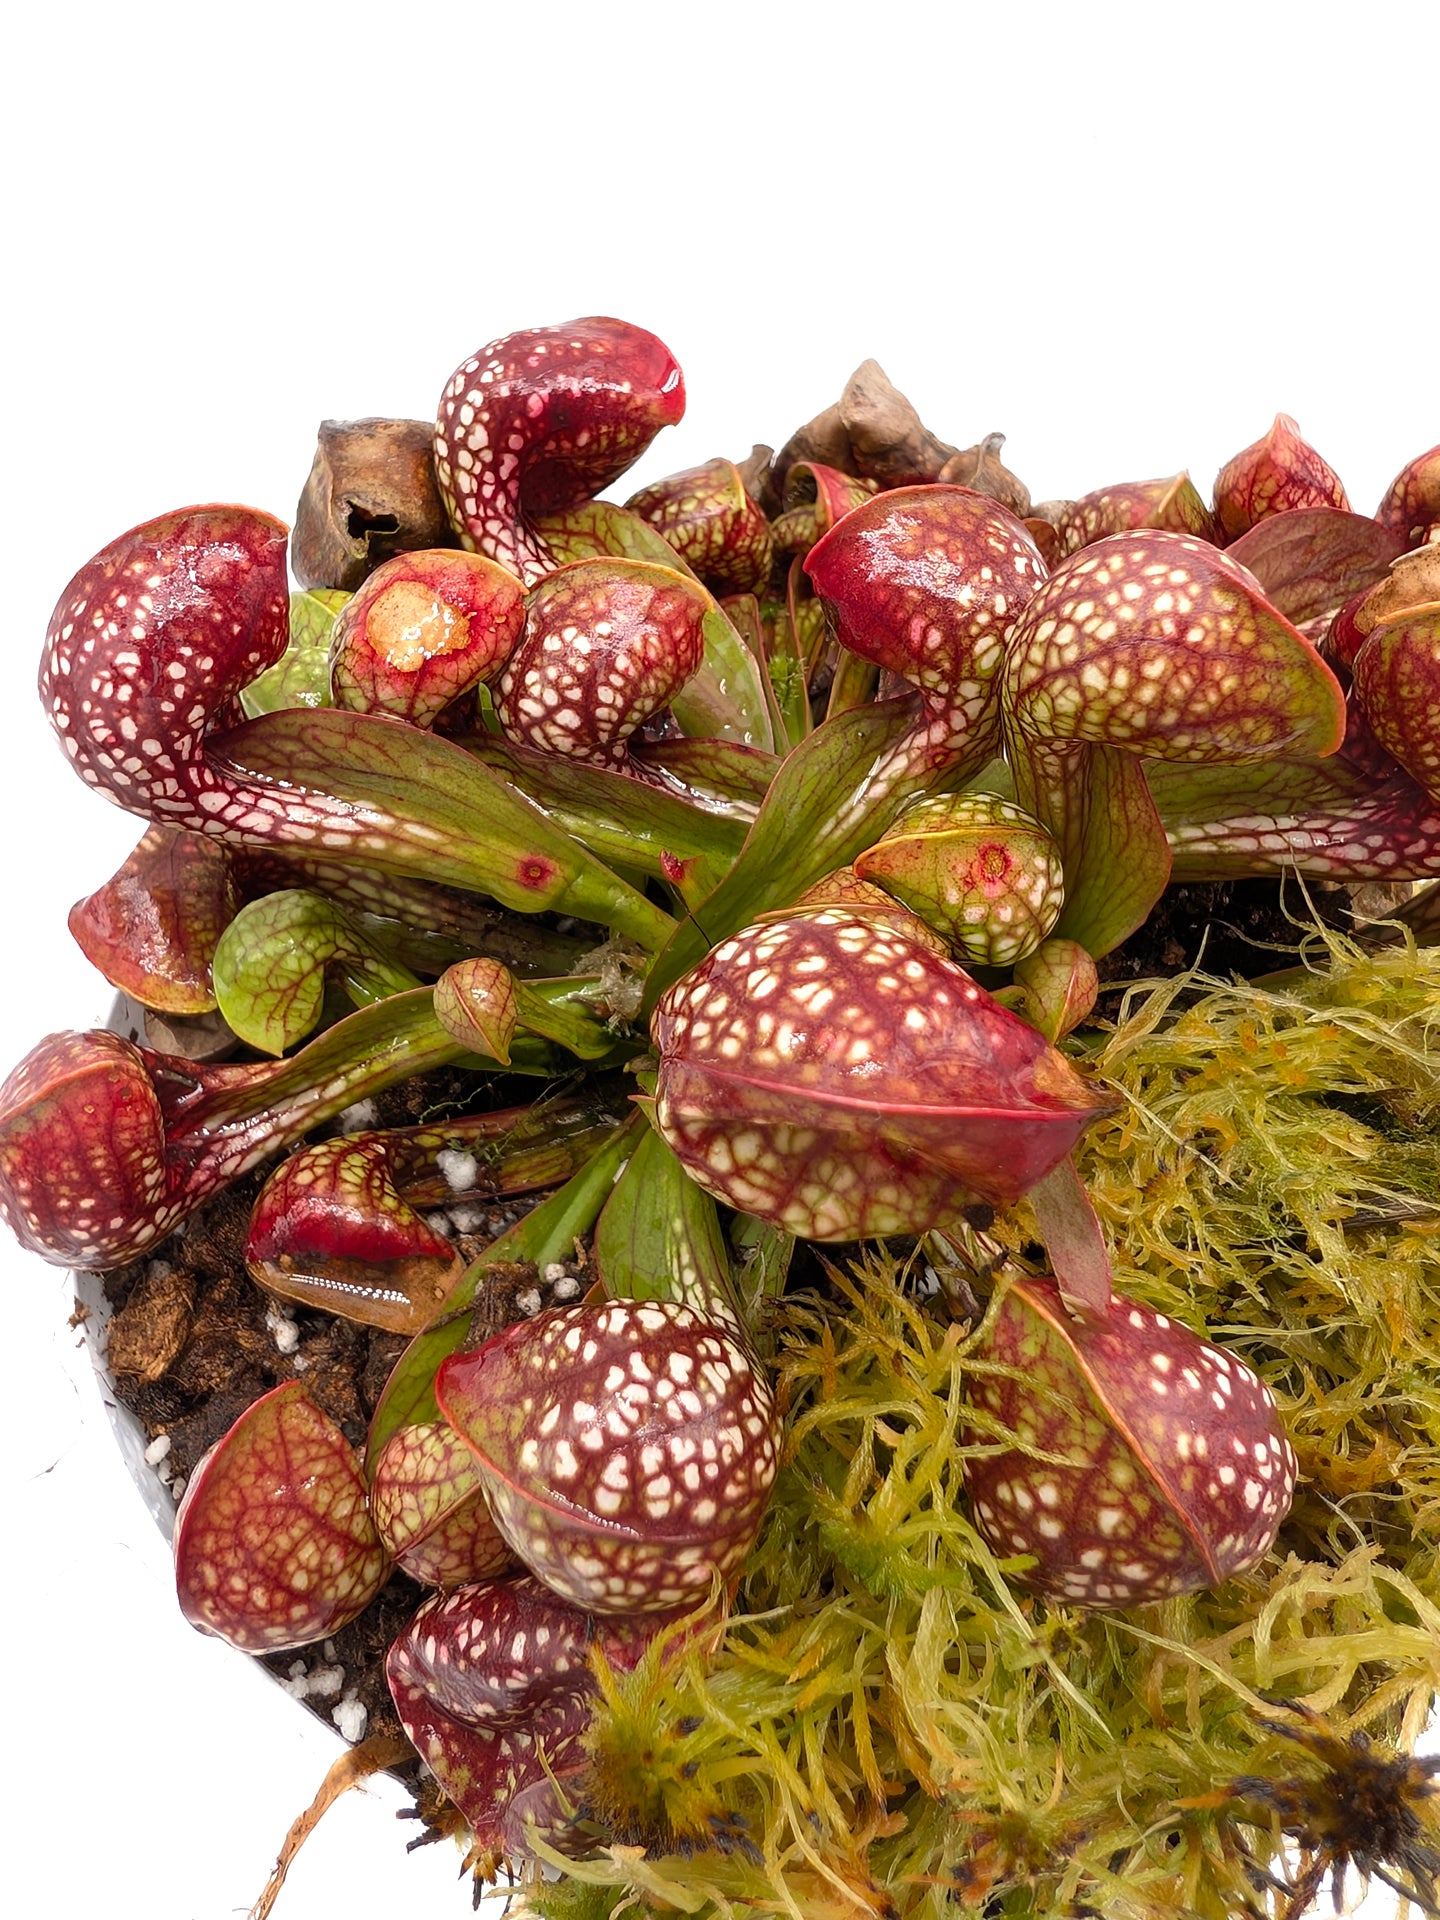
(374, 1755)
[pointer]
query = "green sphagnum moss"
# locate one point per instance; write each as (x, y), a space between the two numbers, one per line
(887, 1724)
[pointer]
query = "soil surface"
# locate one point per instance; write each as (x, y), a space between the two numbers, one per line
(1245, 927)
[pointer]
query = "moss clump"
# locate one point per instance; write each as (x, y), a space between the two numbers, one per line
(886, 1723)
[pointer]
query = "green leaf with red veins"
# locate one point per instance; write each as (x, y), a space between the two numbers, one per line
(495, 1690)
(853, 683)
(607, 645)
(1172, 504)
(832, 1077)
(659, 1238)
(833, 795)
(548, 1232)
(1097, 803)
(1311, 561)
(1315, 816)
(475, 1003)
(710, 520)
(808, 619)
(765, 1254)
(408, 803)
(301, 676)
(421, 631)
(628, 1449)
(724, 699)
(1058, 986)
(331, 1230)
(274, 1546)
(430, 1511)
(576, 1013)
(720, 776)
(423, 926)
(542, 420)
(482, 999)
(1397, 683)
(1190, 795)
(626, 822)
(1411, 506)
(515, 1149)
(978, 869)
(1276, 474)
(153, 927)
(771, 635)
(600, 530)
(271, 962)
(1178, 1473)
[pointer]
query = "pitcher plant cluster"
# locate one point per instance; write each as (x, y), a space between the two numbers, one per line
(772, 825)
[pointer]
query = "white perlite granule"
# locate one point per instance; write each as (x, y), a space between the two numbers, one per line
(282, 1330)
(357, 1118)
(323, 1684)
(467, 1219)
(555, 1270)
(157, 1449)
(439, 1223)
(529, 1302)
(351, 1717)
(566, 1288)
(461, 1170)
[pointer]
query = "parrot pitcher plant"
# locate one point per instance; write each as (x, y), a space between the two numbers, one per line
(754, 852)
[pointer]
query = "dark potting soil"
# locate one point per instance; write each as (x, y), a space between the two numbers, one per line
(1245, 927)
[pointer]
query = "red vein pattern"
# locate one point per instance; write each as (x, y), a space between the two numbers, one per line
(1172, 504)
(429, 1507)
(607, 644)
(1176, 1475)
(494, 1688)
(422, 630)
(1162, 645)
(831, 1076)
(713, 524)
(545, 419)
(153, 927)
(1276, 474)
(628, 1449)
(274, 1545)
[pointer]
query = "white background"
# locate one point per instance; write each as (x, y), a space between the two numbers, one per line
(1126, 236)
